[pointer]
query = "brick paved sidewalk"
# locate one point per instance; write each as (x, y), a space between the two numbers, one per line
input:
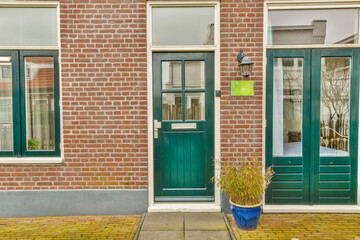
(86, 227)
(302, 226)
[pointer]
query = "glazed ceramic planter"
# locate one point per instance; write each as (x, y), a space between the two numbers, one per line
(246, 217)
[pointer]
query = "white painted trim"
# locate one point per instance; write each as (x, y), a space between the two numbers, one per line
(183, 48)
(311, 2)
(167, 3)
(150, 108)
(62, 152)
(311, 209)
(334, 46)
(217, 86)
(268, 4)
(264, 124)
(28, 48)
(216, 206)
(184, 207)
(315, 5)
(31, 160)
(29, 4)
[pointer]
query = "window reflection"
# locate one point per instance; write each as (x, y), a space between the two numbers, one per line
(171, 106)
(40, 115)
(183, 25)
(6, 117)
(195, 106)
(287, 106)
(171, 74)
(304, 27)
(335, 106)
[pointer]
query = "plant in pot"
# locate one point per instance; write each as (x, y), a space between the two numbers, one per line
(244, 184)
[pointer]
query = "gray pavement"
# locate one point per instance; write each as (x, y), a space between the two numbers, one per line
(180, 226)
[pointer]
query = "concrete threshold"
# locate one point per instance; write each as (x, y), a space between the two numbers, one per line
(180, 226)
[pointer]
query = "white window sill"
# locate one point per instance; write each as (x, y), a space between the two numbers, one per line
(31, 160)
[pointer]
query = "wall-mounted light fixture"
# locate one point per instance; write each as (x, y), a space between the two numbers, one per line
(245, 64)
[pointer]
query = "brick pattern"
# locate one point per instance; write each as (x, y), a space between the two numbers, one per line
(86, 227)
(103, 61)
(104, 90)
(241, 27)
(302, 226)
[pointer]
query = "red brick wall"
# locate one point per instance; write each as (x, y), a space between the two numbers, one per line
(103, 54)
(104, 79)
(241, 27)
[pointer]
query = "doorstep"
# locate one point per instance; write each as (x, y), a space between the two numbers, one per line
(188, 226)
(184, 207)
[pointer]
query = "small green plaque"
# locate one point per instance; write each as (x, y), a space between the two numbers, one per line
(242, 88)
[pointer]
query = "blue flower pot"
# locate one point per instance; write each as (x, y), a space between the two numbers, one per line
(246, 217)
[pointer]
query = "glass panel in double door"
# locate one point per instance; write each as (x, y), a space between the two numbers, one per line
(183, 126)
(309, 131)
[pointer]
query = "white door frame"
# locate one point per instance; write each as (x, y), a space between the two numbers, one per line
(165, 207)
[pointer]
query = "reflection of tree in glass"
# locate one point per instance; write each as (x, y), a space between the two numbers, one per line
(292, 79)
(335, 104)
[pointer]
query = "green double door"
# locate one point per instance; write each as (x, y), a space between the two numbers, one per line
(183, 100)
(312, 98)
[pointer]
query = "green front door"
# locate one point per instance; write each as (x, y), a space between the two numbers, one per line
(183, 126)
(312, 125)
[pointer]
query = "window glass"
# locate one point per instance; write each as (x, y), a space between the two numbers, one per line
(28, 27)
(40, 114)
(287, 106)
(304, 27)
(195, 106)
(335, 106)
(171, 106)
(6, 117)
(171, 74)
(183, 25)
(194, 74)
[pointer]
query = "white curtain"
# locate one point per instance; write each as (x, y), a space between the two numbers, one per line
(278, 113)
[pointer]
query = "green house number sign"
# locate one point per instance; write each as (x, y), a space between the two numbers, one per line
(242, 88)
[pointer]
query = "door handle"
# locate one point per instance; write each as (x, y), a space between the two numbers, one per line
(157, 125)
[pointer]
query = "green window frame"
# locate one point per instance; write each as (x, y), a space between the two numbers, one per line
(19, 104)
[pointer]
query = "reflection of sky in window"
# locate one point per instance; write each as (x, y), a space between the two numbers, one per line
(341, 23)
(181, 25)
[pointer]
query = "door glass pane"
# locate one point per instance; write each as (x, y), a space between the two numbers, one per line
(6, 116)
(195, 106)
(183, 25)
(171, 106)
(40, 116)
(335, 106)
(287, 106)
(195, 74)
(28, 27)
(171, 74)
(304, 27)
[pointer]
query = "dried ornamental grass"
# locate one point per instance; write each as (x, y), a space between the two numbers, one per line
(245, 184)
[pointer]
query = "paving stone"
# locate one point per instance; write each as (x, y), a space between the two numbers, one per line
(207, 235)
(204, 221)
(161, 235)
(302, 226)
(163, 222)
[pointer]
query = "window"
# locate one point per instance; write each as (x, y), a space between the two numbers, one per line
(183, 25)
(315, 26)
(28, 26)
(29, 82)
(29, 104)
